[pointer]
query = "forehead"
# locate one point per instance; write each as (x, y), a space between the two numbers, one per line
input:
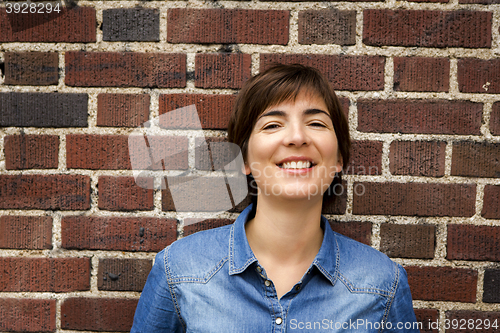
(303, 95)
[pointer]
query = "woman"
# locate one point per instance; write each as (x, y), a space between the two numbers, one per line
(279, 267)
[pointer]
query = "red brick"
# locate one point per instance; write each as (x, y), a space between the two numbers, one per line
(344, 72)
(227, 26)
(359, 231)
(26, 232)
(125, 69)
(476, 159)
(222, 70)
(335, 204)
(495, 119)
(213, 110)
(98, 314)
(123, 194)
(473, 321)
(327, 26)
(417, 158)
(123, 274)
(31, 68)
(491, 202)
(419, 199)
(427, 28)
(27, 315)
(407, 241)
(473, 242)
(421, 74)
(88, 151)
(483, 2)
(77, 25)
(419, 116)
(31, 152)
(192, 226)
(434, 1)
(442, 284)
(64, 192)
(428, 318)
(146, 234)
(366, 158)
(215, 153)
(491, 287)
(122, 110)
(44, 274)
(479, 76)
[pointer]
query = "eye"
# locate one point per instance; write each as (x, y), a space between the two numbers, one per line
(317, 124)
(270, 126)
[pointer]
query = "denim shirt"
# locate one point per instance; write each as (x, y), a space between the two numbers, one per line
(211, 282)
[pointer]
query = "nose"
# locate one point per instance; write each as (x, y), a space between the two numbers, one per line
(296, 135)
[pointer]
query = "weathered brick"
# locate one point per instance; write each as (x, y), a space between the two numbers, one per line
(479, 321)
(31, 68)
(495, 119)
(213, 110)
(421, 74)
(77, 25)
(343, 72)
(473, 242)
(31, 152)
(131, 24)
(475, 159)
(27, 315)
(491, 286)
(491, 200)
(123, 274)
(447, 284)
(483, 2)
(420, 199)
(407, 241)
(123, 193)
(43, 109)
(227, 26)
(366, 158)
(25, 232)
(146, 234)
(327, 26)
(222, 70)
(44, 274)
(428, 318)
(427, 28)
(419, 116)
(359, 231)
(64, 192)
(122, 110)
(479, 76)
(125, 69)
(98, 314)
(417, 158)
(335, 204)
(194, 225)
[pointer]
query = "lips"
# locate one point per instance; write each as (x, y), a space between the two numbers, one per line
(296, 162)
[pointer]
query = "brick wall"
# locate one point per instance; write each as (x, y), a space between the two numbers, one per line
(420, 82)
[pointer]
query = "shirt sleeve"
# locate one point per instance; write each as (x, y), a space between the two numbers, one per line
(156, 311)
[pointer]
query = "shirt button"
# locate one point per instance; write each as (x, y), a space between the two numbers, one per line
(259, 269)
(297, 287)
(268, 283)
(278, 321)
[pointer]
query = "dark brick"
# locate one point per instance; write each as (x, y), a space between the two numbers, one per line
(419, 116)
(359, 231)
(44, 274)
(335, 204)
(26, 232)
(427, 28)
(227, 26)
(421, 74)
(414, 199)
(145, 234)
(43, 110)
(442, 284)
(491, 286)
(495, 119)
(192, 225)
(428, 318)
(123, 274)
(433, 1)
(31, 68)
(222, 70)
(327, 26)
(366, 158)
(125, 69)
(417, 158)
(131, 24)
(476, 159)
(54, 192)
(77, 25)
(122, 110)
(31, 152)
(123, 194)
(98, 314)
(482, 2)
(491, 200)
(479, 76)
(407, 241)
(473, 242)
(344, 72)
(27, 315)
(476, 320)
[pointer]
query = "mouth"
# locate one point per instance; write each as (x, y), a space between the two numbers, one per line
(296, 165)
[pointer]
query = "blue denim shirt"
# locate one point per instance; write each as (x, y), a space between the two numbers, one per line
(211, 282)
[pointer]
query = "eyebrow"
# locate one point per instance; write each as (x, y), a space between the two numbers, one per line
(283, 114)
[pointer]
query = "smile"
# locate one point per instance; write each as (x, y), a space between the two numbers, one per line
(295, 165)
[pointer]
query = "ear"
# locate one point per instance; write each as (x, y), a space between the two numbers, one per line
(340, 164)
(246, 169)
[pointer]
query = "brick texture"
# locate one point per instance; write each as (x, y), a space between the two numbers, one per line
(131, 24)
(216, 154)
(476, 159)
(335, 204)
(122, 110)
(473, 242)
(327, 26)
(344, 72)
(242, 26)
(419, 199)
(359, 231)
(124, 194)
(491, 286)
(479, 76)
(145, 234)
(417, 158)
(43, 109)
(495, 119)
(442, 284)
(31, 152)
(366, 158)
(44, 274)
(483, 2)
(26, 232)
(491, 208)
(476, 320)
(27, 315)
(192, 226)
(427, 28)
(428, 318)
(125, 69)
(31, 68)
(123, 274)
(222, 70)
(419, 116)
(64, 192)
(421, 74)
(407, 241)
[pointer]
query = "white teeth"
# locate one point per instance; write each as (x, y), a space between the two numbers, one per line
(296, 165)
